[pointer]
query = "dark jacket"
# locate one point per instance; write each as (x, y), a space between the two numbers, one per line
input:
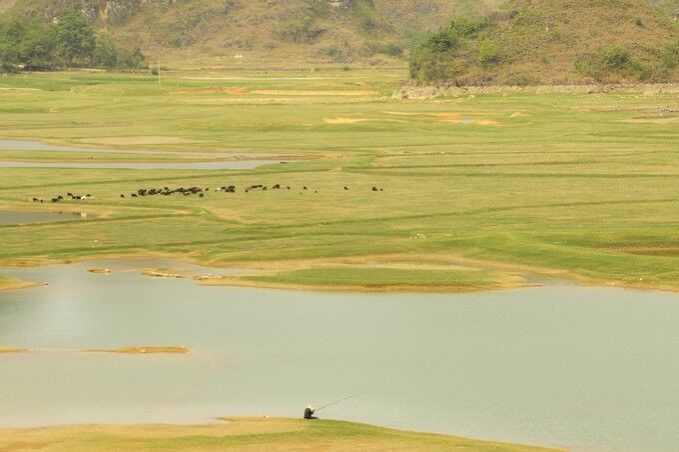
(309, 413)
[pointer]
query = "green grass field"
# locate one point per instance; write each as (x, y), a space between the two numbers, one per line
(475, 189)
(244, 434)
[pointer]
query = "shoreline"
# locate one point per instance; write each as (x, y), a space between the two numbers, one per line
(265, 433)
(13, 284)
(523, 272)
(428, 92)
(227, 155)
(393, 288)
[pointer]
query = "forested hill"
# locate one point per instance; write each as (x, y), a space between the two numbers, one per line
(554, 42)
(260, 32)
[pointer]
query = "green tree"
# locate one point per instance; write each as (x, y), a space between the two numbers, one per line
(105, 53)
(131, 58)
(37, 48)
(75, 38)
(11, 34)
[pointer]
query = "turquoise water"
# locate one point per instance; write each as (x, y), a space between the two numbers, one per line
(587, 368)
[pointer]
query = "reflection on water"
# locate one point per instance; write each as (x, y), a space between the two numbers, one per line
(588, 368)
(242, 162)
(239, 164)
(29, 217)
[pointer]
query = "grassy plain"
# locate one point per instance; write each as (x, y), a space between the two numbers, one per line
(481, 187)
(269, 434)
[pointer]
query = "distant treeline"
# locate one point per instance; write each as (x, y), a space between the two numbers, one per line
(68, 41)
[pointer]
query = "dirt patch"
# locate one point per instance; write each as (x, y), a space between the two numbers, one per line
(653, 250)
(141, 350)
(99, 271)
(163, 273)
(401, 113)
(415, 92)
(486, 122)
(234, 91)
(238, 282)
(358, 120)
(275, 92)
(666, 120)
(127, 141)
(8, 350)
(345, 120)
(15, 284)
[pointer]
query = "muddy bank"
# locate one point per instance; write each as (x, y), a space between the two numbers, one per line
(347, 288)
(140, 350)
(7, 284)
(8, 350)
(416, 92)
(153, 350)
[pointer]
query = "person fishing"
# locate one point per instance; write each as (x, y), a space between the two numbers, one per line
(309, 412)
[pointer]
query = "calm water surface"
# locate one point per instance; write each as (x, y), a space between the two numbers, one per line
(29, 217)
(592, 369)
(245, 161)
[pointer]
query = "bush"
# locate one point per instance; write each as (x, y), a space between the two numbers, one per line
(303, 30)
(611, 64)
(390, 49)
(337, 53)
(437, 56)
(670, 56)
(489, 54)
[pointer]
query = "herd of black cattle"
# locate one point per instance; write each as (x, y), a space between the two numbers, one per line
(190, 191)
(60, 198)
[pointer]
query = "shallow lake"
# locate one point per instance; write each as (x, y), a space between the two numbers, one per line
(243, 162)
(29, 217)
(587, 368)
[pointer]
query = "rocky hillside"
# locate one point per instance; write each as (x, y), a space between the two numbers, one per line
(262, 32)
(554, 42)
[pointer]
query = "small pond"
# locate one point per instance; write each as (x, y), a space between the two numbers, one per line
(238, 161)
(28, 217)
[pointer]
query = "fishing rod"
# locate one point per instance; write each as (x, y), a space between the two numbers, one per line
(341, 400)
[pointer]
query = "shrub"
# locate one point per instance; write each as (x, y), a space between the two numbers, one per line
(302, 30)
(437, 56)
(611, 64)
(489, 54)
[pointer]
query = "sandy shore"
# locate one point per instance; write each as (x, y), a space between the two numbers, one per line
(140, 350)
(15, 284)
(261, 433)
